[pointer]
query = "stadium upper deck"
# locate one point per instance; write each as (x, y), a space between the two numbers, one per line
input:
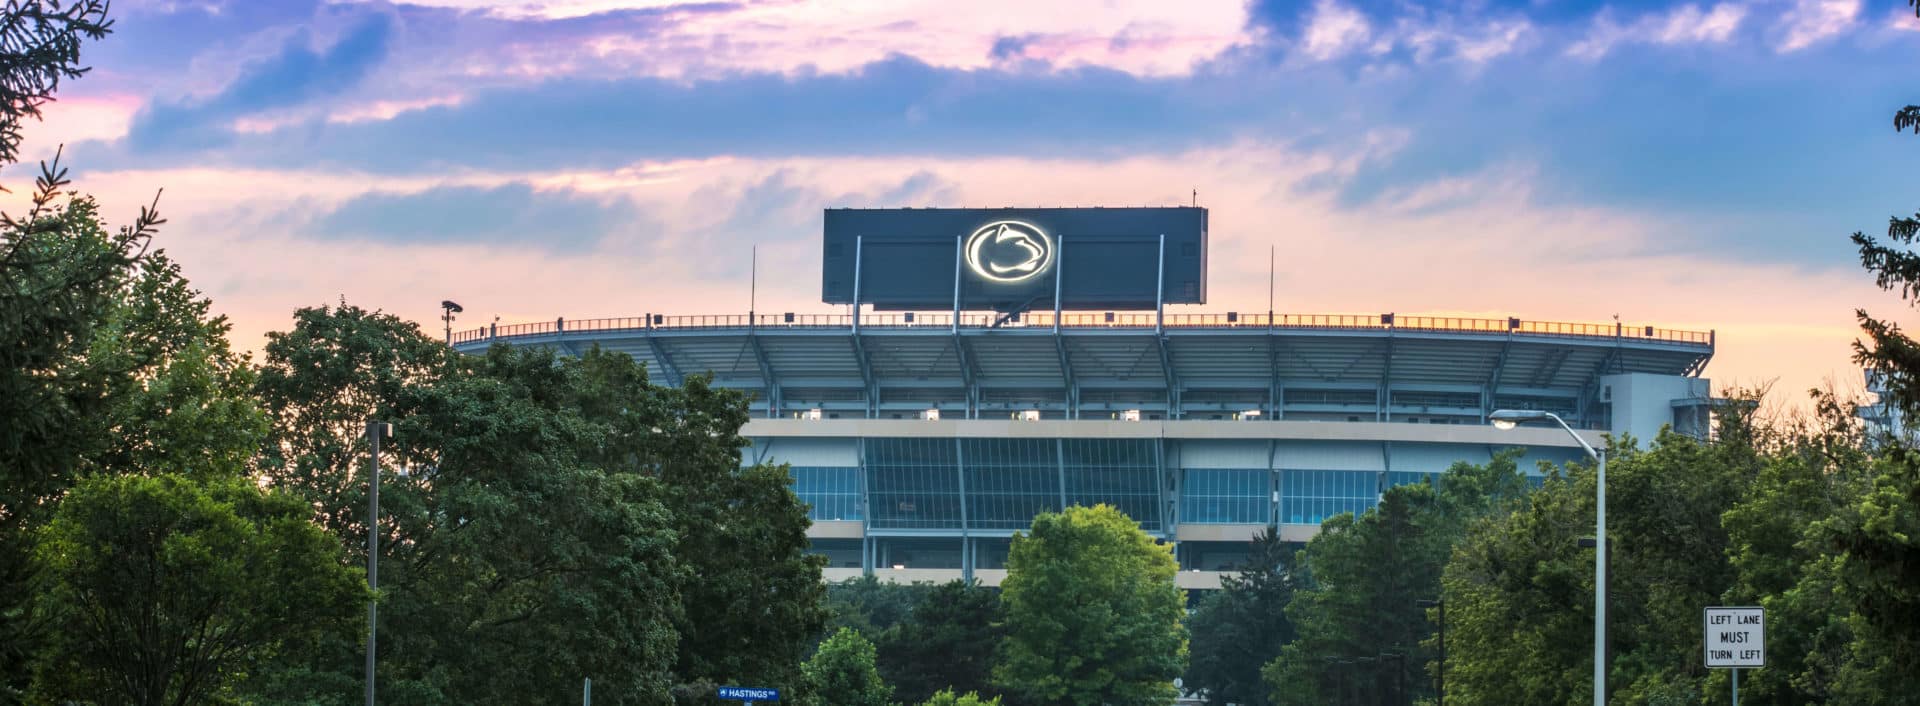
(1103, 365)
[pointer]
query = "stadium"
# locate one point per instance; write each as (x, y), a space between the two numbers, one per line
(999, 363)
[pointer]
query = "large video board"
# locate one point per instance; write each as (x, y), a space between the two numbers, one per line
(1014, 258)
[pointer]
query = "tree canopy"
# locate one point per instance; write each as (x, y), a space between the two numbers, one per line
(166, 590)
(842, 673)
(947, 642)
(1092, 613)
(1238, 629)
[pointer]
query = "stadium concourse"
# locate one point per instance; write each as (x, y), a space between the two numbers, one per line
(924, 440)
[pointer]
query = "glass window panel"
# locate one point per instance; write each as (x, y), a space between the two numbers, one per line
(1009, 481)
(842, 553)
(917, 552)
(991, 552)
(1214, 556)
(913, 483)
(1117, 472)
(1310, 497)
(1224, 496)
(832, 492)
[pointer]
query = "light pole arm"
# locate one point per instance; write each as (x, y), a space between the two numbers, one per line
(1592, 453)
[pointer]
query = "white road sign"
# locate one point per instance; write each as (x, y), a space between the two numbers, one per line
(1736, 637)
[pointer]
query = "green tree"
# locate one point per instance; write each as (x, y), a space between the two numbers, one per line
(1092, 614)
(1355, 605)
(842, 673)
(1888, 349)
(63, 275)
(1875, 577)
(1875, 537)
(946, 697)
(1360, 582)
(505, 538)
(869, 605)
(1810, 470)
(754, 605)
(1239, 628)
(165, 590)
(946, 642)
(1519, 591)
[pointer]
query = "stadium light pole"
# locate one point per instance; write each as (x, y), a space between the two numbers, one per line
(1510, 418)
(375, 430)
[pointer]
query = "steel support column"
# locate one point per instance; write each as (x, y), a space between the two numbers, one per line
(666, 361)
(1385, 412)
(1493, 378)
(1060, 464)
(1276, 394)
(867, 548)
(1168, 491)
(1273, 485)
(769, 382)
(960, 471)
(1174, 408)
(867, 379)
(966, 375)
(1066, 371)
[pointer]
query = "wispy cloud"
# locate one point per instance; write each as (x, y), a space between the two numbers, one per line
(1685, 24)
(1334, 30)
(1812, 21)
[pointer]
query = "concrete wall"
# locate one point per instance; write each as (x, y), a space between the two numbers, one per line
(1642, 403)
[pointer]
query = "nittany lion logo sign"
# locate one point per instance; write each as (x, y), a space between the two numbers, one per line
(1009, 251)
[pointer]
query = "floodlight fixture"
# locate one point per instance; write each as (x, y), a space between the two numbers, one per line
(447, 309)
(1510, 418)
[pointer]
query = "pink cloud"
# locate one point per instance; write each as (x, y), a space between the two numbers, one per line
(1685, 24)
(1135, 36)
(1814, 21)
(1476, 244)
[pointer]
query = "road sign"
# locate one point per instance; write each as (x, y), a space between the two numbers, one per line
(748, 693)
(1736, 637)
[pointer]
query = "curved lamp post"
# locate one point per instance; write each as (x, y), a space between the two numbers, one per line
(1510, 418)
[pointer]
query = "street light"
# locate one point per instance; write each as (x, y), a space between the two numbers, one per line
(1510, 418)
(375, 430)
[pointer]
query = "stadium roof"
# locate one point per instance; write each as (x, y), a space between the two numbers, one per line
(1125, 359)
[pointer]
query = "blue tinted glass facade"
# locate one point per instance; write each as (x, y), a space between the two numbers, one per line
(1232, 496)
(833, 492)
(1009, 481)
(1123, 473)
(913, 483)
(1310, 497)
(920, 483)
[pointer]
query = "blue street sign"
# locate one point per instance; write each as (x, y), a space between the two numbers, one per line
(748, 693)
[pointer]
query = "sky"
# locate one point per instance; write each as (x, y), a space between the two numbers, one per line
(1685, 165)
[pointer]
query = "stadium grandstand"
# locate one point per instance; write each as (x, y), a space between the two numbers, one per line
(924, 439)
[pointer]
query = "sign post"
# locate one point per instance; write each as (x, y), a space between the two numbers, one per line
(1735, 638)
(748, 694)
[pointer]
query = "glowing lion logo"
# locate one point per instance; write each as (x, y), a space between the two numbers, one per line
(1009, 251)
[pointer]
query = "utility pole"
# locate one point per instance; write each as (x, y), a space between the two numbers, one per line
(375, 430)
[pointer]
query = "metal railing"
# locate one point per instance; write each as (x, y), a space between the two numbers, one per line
(1083, 320)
